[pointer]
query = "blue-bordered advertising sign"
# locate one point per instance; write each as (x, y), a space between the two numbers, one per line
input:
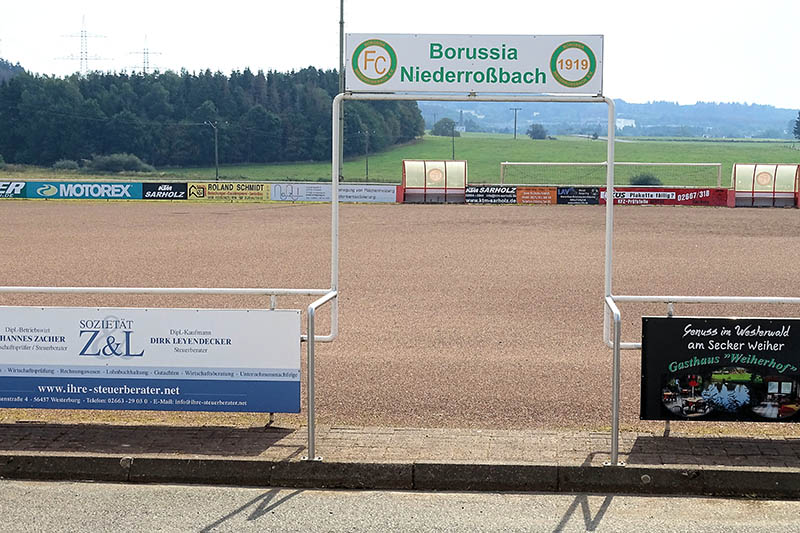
(160, 359)
(545, 64)
(12, 189)
(84, 190)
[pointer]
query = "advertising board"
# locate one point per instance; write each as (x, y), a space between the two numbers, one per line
(164, 191)
(321, 192)
(536, 195)
(162, 359)
(84, 190)
(491, 194)
(225, 191)
(707, 196)
(528, 64)
(578, 195)
(12, 189)
(711, 369)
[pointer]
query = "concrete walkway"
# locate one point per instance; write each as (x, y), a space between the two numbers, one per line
(402, 458)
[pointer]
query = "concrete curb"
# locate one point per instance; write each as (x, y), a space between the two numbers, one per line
(406, 476)
(64, 467)
(486, 477)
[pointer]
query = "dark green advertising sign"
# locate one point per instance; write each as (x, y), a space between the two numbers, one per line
(743, 369)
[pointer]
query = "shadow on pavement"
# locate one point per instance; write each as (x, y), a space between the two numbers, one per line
(103, 438)
(590, 522)
(711, 451)
(263, 504)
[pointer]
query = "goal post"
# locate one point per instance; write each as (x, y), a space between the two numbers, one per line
(627, 172)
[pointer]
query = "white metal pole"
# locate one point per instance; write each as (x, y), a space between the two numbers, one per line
(615, 390)
(609, 251)
(310, 377)
(310, 393)
(615, 370)
(339, 125)
(338, 143)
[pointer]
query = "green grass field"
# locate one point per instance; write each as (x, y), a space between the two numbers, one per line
(484, 152)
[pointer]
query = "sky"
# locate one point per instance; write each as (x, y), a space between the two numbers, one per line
(678, 51)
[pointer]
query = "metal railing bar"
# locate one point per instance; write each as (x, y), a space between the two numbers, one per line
(166, 290)
(616, 344)
(319, 338)
(312, 451)
(708, 299)
(472, 97)
(615, 380)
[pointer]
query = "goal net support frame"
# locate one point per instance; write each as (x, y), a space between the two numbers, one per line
(504, 165)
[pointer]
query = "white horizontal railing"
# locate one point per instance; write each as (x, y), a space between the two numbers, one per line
(615, 341)
(166, 290)
(669, 300)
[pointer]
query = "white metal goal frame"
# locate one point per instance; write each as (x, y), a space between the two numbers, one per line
(505, 164)
(338, 116)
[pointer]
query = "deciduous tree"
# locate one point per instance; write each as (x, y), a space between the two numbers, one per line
(536, 131)
(445, 127)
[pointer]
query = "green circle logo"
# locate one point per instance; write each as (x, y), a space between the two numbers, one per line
(374, 62)
(573, 64)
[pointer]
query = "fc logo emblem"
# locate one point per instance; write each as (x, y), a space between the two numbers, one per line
(374, 62)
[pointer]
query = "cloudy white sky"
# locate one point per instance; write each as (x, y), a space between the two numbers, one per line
(677, 50)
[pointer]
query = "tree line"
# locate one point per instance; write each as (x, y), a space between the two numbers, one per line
(168, 119)
(8, 71)
(796, 129)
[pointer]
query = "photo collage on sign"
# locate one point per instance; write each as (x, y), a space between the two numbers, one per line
(733, 390)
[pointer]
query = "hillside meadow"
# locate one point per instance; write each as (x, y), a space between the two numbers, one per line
(484, 153)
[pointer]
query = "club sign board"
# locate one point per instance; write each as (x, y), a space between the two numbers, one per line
(538, 64)
(720, 369)
(156, 359)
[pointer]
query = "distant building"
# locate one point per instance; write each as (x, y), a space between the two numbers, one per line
(625, 123)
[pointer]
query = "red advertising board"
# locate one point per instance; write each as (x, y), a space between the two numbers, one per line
(709, 196)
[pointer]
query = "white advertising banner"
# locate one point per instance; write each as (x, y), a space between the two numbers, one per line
(192, 359)
(321, 192)
(538, 64)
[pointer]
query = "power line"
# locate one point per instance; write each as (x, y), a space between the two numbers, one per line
(515, 109)
(146, 53)
(84, 56)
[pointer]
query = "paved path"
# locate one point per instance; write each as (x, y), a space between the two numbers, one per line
(406, 458)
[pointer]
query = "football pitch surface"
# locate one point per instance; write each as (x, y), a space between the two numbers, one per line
(450, 315)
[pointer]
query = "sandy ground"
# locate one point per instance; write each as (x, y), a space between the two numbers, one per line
(451, 316)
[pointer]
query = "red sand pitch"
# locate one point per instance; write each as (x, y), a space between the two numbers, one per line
(450, 316)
